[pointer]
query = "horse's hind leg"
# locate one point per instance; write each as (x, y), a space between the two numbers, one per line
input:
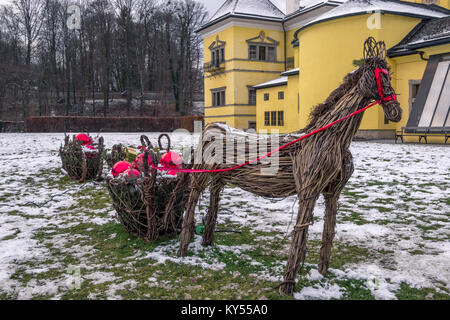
(198, 184)
(297, 252)
(210, 225)
(328, 233)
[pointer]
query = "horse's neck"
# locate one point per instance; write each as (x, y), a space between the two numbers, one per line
(345, 130)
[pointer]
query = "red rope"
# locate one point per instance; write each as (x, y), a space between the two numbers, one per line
(383, 98)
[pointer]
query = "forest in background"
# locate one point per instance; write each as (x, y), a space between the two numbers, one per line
(100, 57)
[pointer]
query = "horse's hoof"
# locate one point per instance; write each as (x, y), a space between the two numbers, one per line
(182, 253)
(286, 289)
(323, 270)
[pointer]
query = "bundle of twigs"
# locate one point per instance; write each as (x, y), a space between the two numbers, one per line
(151, 205)
(81, 164)
(117, 154)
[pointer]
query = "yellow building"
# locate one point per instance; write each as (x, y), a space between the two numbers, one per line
(267, 66)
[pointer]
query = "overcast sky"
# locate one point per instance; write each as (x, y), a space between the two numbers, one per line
(211, 5)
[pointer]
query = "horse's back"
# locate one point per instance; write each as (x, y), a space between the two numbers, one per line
(269, 177)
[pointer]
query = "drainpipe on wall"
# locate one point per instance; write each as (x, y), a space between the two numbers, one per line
(421, 53)
(285, 47)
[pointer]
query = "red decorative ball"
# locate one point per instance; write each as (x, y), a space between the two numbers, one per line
(120, 167)
(84, 138)
(171, 160)
(90, 147)
(132, 172)
(139, 162)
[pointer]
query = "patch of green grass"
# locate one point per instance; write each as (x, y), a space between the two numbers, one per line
(59, 180)
(355, 290)
(354, 217)
(26, 216)
(341, 254)
(356, 195)
(5, 296)
(7, 197)
(408, 293)
(12, 236)
(172, 278)
(429, 227)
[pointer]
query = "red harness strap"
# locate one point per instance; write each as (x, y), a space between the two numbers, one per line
(383, 98)
(378, 73)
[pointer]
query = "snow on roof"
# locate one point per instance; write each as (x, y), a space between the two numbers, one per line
(425, 33)
(272, 83)
(280, 4)
(263, 8)
(268, 9)
(311, 3)
(353, 7)
(432, 30)
(291, 72)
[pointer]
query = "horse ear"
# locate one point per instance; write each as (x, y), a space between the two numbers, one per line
(370, 48)
(374, 49)
(382, 53)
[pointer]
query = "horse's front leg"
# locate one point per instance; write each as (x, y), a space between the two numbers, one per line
(331, 195)
(297, 252)
(198, 184)
(328, 233)
(211, 219)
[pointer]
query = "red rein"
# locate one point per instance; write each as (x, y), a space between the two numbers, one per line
(378, 73)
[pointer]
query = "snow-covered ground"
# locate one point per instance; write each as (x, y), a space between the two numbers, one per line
(395, 210)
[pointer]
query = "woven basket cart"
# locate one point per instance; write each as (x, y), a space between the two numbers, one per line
(79, 165)
(152, 206)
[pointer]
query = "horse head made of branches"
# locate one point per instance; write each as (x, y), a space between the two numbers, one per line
(375, 82)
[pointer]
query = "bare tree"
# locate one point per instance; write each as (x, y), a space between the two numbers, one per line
(126, 44)
(27, 14)
(189, 16)
(145, 11)
(130, 46)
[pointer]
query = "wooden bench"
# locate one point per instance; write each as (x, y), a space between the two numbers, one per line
(422, 133)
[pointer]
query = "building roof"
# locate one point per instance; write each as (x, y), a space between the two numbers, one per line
(272, 83)
(311, 3)
(262, 8)
(426, 34)
(270, 10)
(357, 7)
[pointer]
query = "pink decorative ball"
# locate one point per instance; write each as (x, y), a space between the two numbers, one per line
(139, 162)
(120, 167)
(132, 172)
(84, 138)
(171, 160)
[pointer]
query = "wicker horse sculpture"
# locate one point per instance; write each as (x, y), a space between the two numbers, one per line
(321, 164)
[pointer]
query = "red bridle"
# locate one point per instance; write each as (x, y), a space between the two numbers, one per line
(378, 73)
